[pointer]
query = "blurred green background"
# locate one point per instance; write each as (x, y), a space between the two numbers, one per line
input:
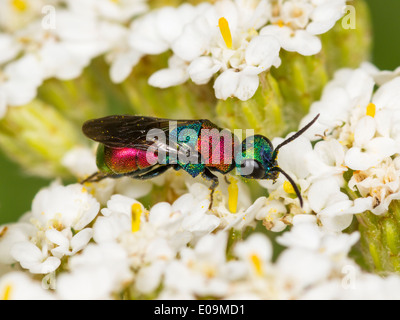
(18, 189)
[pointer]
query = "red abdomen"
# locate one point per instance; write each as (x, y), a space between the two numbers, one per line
(126, 160)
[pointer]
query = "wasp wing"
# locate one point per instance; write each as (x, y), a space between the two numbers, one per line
(127, 131)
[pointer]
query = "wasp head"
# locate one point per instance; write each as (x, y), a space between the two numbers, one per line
(256, 159)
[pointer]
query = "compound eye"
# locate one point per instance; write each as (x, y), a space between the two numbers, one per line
(252, 169)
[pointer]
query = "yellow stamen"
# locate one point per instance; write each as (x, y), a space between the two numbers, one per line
(19, 5)
(371, 110)
(280, 23)
(257, 264)
(137, 211)
(233, 192)
(288, 188)
(6, 292)
(3, 231)
(225, 31)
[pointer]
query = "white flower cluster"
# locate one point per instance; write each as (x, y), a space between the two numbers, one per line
(354, 164)
(42, 39)
(178, 251)
(236, 39)
(184, 250)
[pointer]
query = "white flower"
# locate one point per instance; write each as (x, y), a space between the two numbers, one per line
(273, 215)
(367, 150)
(313, 258)
(243, 218)
(150, 34)
(97, 273)
(297, 22)
(161, 232)
(67, 243)
(256, 252)
(295, 41)
(379, 184)
(11, 234)
(175, 74)
(333, 207)
(59, 216)
(15, 15)
(222, 39)
(18, 286)
(116, 219)
(200, 271)
(80, 161)
(17, 86)
(9, 48)
(64, 207)
(34, 259)
(121, 11)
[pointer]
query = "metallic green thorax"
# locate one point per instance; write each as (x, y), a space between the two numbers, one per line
(100, 160)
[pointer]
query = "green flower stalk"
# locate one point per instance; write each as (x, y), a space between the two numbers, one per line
(178, 102)
(380, 236)
(263, 112)
(37, 137)
(349, 43)
(89, 96)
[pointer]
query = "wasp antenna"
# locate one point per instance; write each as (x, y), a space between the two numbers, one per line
(293, 137)
(292, 183)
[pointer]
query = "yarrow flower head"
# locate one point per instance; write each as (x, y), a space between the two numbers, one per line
(352, 166)
(233, 41)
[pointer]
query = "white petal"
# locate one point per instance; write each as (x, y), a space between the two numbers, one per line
(81, 239)
(47, 266)
(357, 159)
(295, 41)
(191, 44)
(359, 85)
(262, 51)
(388, 95)
(133, 188)
(122, 66)
(160, 213)
(168, 77)
(19, 94)
(383, 147)
(336, 223)
(226, 84)
(202, 69)
(304, 43)
(144, 37)
(9, 48)
(57, 238)
(26, 253)
(247, 87)
(364, 131)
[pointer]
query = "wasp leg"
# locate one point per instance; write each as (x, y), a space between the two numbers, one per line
(151, 174)
(227, 180)
(206, 174)
(95, 177)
